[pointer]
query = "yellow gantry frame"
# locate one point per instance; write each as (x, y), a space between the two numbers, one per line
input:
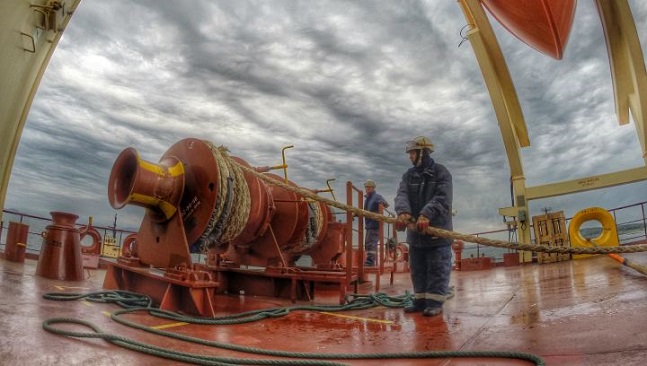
(29, 33)
(28, 39)
(630, 87)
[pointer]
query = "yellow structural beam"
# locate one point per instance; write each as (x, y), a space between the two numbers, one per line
(506, 105)
(630, 89)
(495, 72)
(29, 33)
(627, 65)
(587, 184)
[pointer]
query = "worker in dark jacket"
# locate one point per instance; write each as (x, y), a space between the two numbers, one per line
(372, 203)
(424, 198)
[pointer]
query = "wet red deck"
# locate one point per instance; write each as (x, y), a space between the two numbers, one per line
(584, 312)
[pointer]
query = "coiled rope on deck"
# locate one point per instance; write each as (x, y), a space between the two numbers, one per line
(452, 234)
(133, 302)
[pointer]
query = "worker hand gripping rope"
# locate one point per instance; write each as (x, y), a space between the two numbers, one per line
(405, 220)
(422, 224)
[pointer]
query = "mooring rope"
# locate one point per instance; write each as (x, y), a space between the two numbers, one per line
(133, 302)
(238, 217)
(319, 218)
(231, 211)
(452, 234)
(312, 232)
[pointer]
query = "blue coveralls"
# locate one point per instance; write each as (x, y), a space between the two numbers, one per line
(371, 226)
(427, 190)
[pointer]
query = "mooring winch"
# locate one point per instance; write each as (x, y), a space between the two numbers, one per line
(198, 199)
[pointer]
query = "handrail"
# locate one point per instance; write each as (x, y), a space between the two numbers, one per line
(642, 218)
(626, 239)
(34, 238)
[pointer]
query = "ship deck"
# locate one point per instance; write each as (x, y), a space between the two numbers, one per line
(582, 312)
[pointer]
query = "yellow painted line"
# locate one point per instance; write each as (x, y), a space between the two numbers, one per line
(359, 318)
(67, 287)
(85, 302)
(164, 326)
(170, 325)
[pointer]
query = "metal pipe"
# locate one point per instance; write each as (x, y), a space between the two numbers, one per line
(349, 232)
(285, 166)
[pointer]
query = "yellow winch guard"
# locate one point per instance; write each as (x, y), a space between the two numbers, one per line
(607, 238)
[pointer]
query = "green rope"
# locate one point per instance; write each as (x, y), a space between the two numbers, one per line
(132, 302)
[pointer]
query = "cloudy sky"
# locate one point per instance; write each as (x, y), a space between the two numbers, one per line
(346, 82)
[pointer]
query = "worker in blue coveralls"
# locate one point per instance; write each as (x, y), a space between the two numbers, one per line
(372, 203)
(424, 198)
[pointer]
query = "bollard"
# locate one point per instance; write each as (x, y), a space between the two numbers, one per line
(60, 255)
(16, 237)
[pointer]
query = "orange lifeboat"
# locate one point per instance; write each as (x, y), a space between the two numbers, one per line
(544, 25)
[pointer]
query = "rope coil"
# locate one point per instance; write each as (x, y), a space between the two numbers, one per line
(132, 303)
(230, 214)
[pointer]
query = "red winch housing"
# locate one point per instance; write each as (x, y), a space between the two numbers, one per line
(200, 200)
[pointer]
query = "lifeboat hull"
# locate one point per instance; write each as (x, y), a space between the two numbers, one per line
(544, 25)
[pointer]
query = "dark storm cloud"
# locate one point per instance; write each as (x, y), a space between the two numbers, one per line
(346, 82)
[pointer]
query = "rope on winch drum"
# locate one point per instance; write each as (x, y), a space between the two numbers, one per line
(242, 200)
(133, 302)
(634, 248)
(225, 223)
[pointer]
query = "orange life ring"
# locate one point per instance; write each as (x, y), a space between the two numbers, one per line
(607, 238)
(95, 247)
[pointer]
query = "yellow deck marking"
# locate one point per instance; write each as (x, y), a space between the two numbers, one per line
(170, 325)
(163, 326)
(86, 302)
(68, 287)
(359, 318)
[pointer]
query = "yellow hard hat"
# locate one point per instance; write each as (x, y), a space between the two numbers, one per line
(420, 143)
(369, 183)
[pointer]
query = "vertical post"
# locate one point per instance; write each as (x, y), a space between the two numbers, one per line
(380, 210)
(642, 209)
(360, 233)
(349, 232)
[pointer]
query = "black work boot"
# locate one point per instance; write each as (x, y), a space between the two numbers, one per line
(432, 308)
(417, 306)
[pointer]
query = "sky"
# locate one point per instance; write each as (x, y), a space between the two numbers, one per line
(346, 82)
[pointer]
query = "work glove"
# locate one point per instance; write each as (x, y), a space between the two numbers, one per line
(422, 224)
(403, 220)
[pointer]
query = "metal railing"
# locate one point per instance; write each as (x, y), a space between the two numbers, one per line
(37, 225)
(631, 224)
